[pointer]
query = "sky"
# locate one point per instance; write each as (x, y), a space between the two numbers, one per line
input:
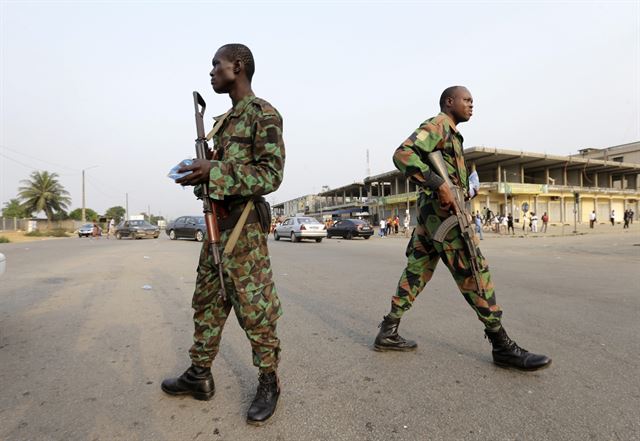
(106, 86)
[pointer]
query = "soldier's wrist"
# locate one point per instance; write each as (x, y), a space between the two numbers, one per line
(432, 180)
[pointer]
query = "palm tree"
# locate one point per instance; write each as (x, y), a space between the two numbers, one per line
(43, 192)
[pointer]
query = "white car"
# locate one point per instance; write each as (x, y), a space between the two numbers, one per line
(2, 263)
(300, 227)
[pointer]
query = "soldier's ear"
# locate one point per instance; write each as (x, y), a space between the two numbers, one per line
(237, 66)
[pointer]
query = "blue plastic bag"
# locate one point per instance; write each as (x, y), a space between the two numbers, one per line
(474, 184)
(173, 173)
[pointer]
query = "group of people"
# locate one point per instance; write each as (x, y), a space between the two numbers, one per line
(235, 178)
(627, 217)
(391, 225)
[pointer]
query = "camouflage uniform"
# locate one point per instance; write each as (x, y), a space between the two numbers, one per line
(251, 164)
(423, 253)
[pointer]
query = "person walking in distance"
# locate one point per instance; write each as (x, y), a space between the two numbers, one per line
(235, 177)
(612, 217)
(545, 222)
(592, 219)
(435, 204)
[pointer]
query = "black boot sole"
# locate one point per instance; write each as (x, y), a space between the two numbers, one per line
(509, 366)
(202, 396)
(393, 348)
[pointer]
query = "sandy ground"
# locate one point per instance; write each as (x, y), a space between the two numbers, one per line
(18, 236)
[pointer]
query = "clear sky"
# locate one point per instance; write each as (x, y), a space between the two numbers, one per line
(109, 84)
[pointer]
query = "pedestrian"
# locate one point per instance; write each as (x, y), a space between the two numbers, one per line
(510, 224)
(435, 203)
(592, 219)
(406, 224)
(383, 227)
(111, 228)
(478, 221)
(389, 224)
(626, 218)
(235, 177)
(504, 225)
(95, 232)
(612, 217)
(396, 224)
(534, 222)
(545, 222)
(524, 221)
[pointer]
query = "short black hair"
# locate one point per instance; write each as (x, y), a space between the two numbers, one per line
(449, 92)
(237, 51)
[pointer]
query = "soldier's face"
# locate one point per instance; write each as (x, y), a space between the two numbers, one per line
(462, 105)
(223, 73)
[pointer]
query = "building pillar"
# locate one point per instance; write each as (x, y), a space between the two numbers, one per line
(564, 176)
(581, 182)
(546, 175)
(499, 173)
(397, 186)
(359, 194)
(535, 204)
(610, 180)
(595, 179)
(521, 174)
(563, 214)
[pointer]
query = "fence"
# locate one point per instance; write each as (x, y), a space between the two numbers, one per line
(16, 224)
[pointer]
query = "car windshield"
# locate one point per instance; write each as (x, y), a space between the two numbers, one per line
(139, 223)
(307, 220)
(87, 226)
(359, 221)
(201, 220)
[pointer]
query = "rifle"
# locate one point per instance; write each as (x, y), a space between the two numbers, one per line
(208, 208)
(460, 218)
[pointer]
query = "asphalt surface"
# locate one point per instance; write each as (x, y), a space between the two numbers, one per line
(83, 347)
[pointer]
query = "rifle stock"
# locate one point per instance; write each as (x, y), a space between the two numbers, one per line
(208, 208)
(460, 219)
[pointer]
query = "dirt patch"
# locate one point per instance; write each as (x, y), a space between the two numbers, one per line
(18, 236)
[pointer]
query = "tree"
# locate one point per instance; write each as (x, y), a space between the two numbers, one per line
(116, 213)
(14, 208)
(43, 192)
(88, 212)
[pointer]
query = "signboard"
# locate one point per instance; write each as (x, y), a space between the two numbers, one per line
(515, 188)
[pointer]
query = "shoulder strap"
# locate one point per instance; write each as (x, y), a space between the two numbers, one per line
(217, 125)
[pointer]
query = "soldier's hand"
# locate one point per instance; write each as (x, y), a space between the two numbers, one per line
(199, 169)
(446, 198)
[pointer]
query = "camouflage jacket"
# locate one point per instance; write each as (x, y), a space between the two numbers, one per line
(249, 162)
(437, 133)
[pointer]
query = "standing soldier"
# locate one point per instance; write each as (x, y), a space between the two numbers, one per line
(248, 162)
(435, 203)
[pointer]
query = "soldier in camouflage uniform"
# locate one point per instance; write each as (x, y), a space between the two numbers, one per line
(435, 204)
(248, 163)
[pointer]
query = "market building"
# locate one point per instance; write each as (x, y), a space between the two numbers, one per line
(568, 188)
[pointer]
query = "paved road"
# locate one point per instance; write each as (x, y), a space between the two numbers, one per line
(83, 347)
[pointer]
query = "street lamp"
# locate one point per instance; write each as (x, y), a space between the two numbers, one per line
(84, 217)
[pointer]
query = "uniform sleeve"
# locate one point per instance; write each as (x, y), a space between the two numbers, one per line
(411, 157)
(261, 176)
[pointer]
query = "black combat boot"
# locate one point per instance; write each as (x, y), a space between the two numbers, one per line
(506, 353)
(264, 404)
(388, 338)
(196, 381)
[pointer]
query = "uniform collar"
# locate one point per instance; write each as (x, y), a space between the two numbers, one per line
(238, 108)
(450, 121)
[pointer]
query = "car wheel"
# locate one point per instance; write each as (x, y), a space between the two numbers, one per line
(349, 235)
(172, 235)
(293, 237)
(276, 236)
(80, 236)
(366, 237)
(319, 240)
(199, 236)
(118, 235)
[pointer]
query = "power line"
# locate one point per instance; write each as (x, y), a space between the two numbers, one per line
(38, 159)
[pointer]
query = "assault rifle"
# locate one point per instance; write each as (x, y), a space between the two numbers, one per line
(208, 208)
(461, 219)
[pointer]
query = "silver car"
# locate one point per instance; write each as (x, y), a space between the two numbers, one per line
(300, 227)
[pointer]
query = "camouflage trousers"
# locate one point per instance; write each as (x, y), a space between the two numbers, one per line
(423, 255)
(257, 311)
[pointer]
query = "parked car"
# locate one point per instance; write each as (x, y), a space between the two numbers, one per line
(297, 228)
(136, 229)
(3, 263)
(187, 227)
(350, 228)
(86, 230)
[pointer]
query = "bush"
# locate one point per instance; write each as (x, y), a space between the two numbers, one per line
(4, 239)
(34, 233)
(58, 232)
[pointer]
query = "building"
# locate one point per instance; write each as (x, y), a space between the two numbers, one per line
(568, 188)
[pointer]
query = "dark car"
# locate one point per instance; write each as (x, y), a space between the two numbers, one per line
(350, 228)
(187, 227)
(136, 229)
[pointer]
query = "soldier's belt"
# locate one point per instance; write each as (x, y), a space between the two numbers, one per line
(230, 221)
